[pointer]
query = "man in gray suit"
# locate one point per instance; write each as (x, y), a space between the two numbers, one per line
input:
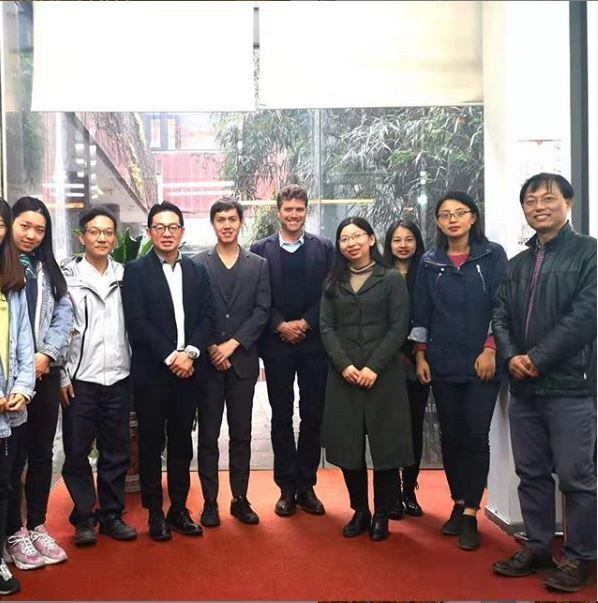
(241, 286)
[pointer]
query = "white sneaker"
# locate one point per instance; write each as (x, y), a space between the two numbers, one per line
(46, 546)
(20, 550)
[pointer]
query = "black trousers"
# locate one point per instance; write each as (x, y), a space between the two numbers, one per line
(100, 413)
(296, 465)
(222, 387)
(165, 410)
(386, 489)
(418, 399)
(12, 451)
(464, 414)
(36, 442)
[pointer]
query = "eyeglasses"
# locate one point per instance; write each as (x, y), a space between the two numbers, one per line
(531, 202)
(354, 237)
(447, 215)
(95, 233)
(162, 228)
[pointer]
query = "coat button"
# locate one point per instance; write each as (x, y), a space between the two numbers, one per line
(227, 316)
(223, 333)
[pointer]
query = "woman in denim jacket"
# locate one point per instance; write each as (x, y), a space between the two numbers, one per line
(17, 374)
(51, 317)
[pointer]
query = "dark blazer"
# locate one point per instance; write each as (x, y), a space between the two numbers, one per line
(149, 315)
(245, 315)
(319, 253)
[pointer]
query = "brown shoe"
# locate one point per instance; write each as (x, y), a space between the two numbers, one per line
(523, 563)
(570, 576)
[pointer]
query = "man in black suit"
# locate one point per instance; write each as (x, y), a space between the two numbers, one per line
(241, 286)
(291, 345)
(168, 311)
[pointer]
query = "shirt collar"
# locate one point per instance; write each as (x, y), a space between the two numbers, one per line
(163, 260)
(296, 243)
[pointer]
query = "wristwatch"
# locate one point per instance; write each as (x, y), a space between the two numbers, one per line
(192, 352)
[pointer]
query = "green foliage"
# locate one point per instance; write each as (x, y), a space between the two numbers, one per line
(265, 222)
(349, 154)
(130, 248)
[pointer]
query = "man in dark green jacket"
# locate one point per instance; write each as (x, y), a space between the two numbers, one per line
(544, 323)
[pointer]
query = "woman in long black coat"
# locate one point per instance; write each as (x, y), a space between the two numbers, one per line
(364, 320)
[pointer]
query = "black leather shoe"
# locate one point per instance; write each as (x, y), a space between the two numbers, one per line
(241, 509)
(181, 522)
(397, 512)
(85, 534)
(210, 517)
(411, 505)
(571, 575)
(523, 563)
(379, 527)
(469, 538)
(158, 528)
(113, 525)
(360, 523)
(453, 526)
(286, 505)
(309, 502)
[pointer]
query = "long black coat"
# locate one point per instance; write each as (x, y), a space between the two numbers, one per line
(367, 328)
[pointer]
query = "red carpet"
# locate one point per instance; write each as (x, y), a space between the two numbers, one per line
(302, 557)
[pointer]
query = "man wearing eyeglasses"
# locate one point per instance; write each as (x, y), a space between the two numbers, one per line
(95, 384)
(545, 324)
(291, 345)
(168, 311)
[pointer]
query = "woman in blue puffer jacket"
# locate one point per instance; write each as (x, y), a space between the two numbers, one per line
(17, 374)
(455, 351)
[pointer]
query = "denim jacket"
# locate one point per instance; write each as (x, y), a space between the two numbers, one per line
(55, 319)
(21, 375)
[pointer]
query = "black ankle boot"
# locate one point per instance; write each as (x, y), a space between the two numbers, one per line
(360, 522)
(453, 526)
(469, 539)
(379, 527)
(411, 505)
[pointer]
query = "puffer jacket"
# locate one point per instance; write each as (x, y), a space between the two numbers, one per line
(21, 373)
(452, 310)
(561, 335)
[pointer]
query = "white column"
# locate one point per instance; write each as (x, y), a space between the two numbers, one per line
(527, 130)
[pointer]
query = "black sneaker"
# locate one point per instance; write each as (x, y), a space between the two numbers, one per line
(85, 533)
(241, 509)
(453, 526)
(8, 584)
(209, 516)
(570, 576)
(113, 525)
(469, 539)
(523, 563)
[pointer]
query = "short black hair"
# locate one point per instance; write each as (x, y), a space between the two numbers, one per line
(291, 192)
(158, 208)
(532, 184)
(226, 204)
(93, 212)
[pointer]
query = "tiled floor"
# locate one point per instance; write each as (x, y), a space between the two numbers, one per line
(261, 448)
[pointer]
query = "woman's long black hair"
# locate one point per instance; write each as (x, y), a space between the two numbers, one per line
(476, 234)
(340, 270)
(46, 253)
(12, 275)
(413, 228)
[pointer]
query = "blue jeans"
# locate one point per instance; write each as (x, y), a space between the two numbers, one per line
(464, 414)
(556, 435)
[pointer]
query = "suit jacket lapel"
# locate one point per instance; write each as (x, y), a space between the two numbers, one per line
(160, 280)
(273, 256)
(310, 257)
(212, 259)
(242, 265)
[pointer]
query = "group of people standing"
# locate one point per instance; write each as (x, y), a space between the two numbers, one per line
(365, 333)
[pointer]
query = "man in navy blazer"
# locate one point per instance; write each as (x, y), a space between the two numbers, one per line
(291, 345)
(168, 313)
(241, 286)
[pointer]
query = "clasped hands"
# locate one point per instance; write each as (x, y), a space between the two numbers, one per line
(14, 402)
(219, 355)
(293, 331)
(363, 378)
(522, 367)
(182, 365)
